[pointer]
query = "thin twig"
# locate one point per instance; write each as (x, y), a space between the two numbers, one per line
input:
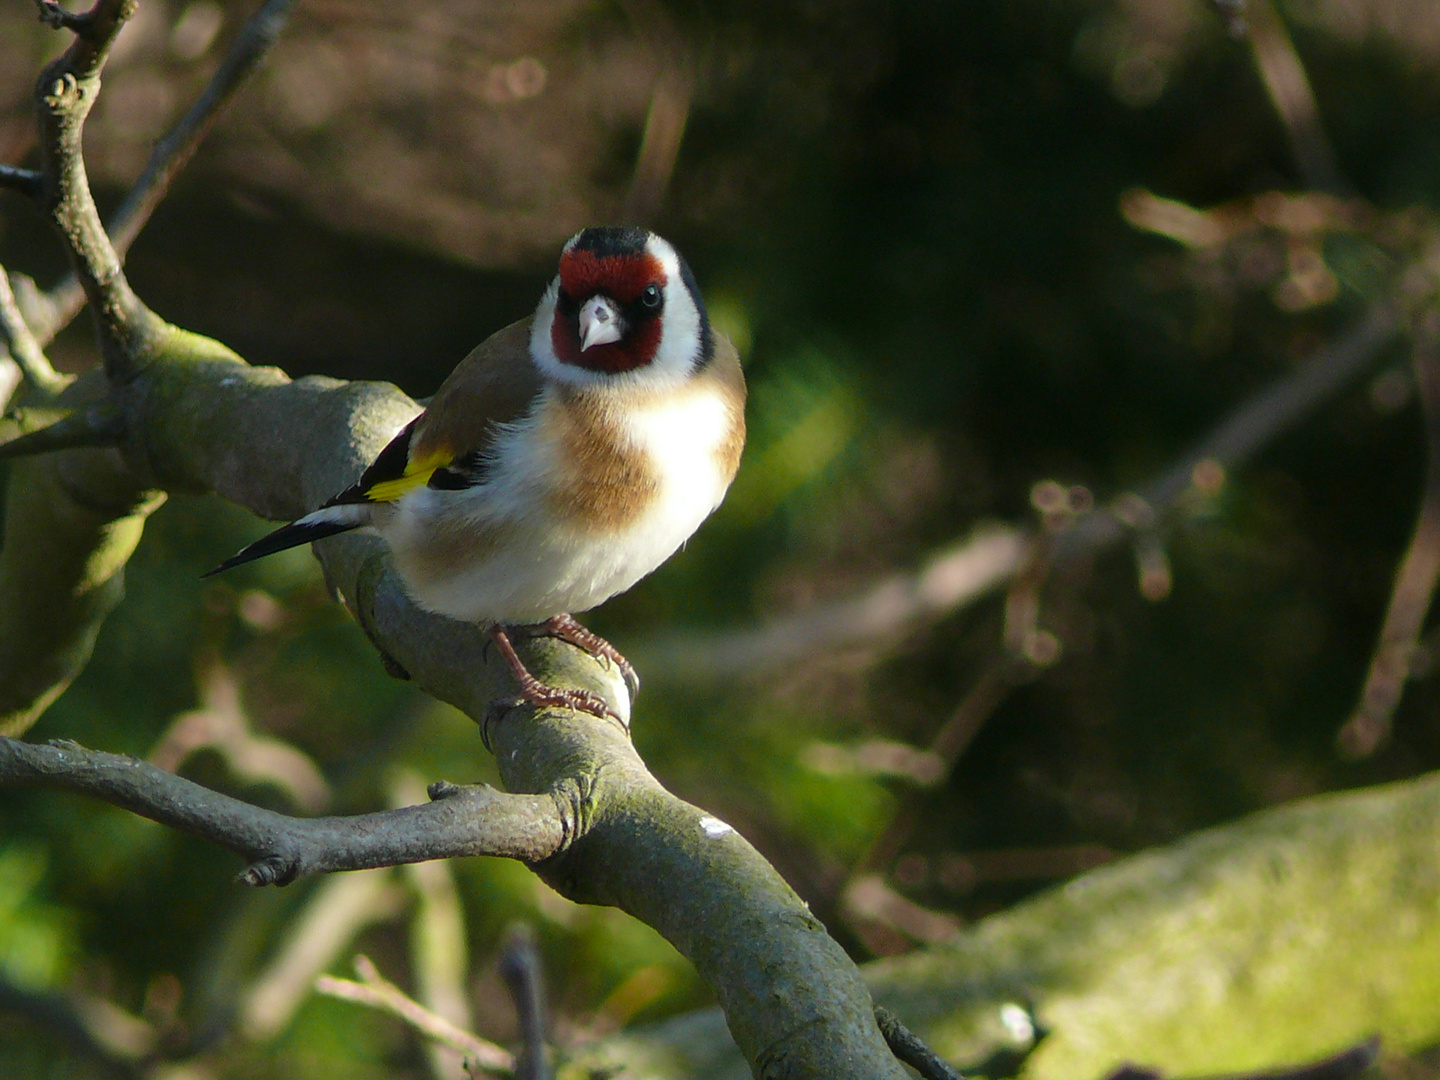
(1002, 674)
(335, 912)
(521, 969)
(669, 111)
(57, 17)
(128, 332)
(44, 380)
(439, 943)
(909, 1048)
(1346, 1064)
(26, 181)
(1369, 727)
(376, 991)
(1283, 74)
(172, 153)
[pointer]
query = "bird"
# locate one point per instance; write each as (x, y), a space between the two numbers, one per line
(564, 459)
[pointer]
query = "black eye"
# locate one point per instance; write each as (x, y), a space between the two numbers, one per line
(651, 297)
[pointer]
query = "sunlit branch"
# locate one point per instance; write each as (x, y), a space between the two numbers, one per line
(1288, 87)
(338, 909)
(377, 992)
(24, 349)
(1369, 726)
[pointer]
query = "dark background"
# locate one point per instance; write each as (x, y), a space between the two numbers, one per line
(908, 216)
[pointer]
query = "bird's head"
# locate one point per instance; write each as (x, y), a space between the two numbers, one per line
(623, 304)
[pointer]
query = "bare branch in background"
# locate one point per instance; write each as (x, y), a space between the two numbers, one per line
(44, 381)
(114, 1040)
(26, 181)
(963, 573)
(1289, 89)
(171, 154)
(669, 111)
(1369, 727)
(439, 945)
(339, 908)
(377, 992)
(1346, 1064)
(950, 579)
(221, 724)
(863, 900)
(523, 973)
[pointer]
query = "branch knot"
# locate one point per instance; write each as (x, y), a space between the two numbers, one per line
(271, 869)
(576, 802)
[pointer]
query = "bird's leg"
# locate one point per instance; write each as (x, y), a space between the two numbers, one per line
(548, 697)
(566, 628)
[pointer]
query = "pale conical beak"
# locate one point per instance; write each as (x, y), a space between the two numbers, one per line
(600, 322)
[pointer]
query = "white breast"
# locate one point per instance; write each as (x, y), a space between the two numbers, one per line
(544, 566)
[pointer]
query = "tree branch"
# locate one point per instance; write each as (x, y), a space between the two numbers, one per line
(377, 992)
(26, 181)
(469, 820)
(910, 1049)
(1415, 580)
(64, 95)
(521, 970)
(24, 348)
(1288, 87)
(171, 154)
(72, 520)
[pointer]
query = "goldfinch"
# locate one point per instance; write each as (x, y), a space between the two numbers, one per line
(565, 458)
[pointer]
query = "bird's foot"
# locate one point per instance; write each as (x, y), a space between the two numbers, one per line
(544, 696)
(567, 629)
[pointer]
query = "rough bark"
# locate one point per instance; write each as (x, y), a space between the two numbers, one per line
(1272, 941)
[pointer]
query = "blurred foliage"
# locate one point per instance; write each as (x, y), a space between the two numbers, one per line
(909, 216)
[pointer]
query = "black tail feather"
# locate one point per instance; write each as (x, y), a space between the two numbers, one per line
(287, 536)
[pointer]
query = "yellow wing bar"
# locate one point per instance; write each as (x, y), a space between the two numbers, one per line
(417, 475)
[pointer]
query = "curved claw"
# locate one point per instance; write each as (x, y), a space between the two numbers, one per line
(542, 695)
(632, 680)
(567, 629)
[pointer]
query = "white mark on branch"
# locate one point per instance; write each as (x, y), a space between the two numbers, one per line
(713, 827)
(1017, 1022)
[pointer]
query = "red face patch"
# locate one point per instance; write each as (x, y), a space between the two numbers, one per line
(622, 278)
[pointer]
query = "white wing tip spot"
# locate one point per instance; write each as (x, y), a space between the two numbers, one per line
(713, 827)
